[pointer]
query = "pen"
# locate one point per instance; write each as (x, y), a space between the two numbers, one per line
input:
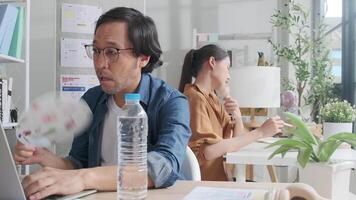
(288, 125)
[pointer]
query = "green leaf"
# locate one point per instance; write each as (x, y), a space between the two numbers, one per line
(301, 130)
(281, 150)
(327, 148)
(289, 142)
(343, 136)
(304, 156)
(346, 137)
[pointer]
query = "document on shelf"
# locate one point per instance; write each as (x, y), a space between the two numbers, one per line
(73, 53)
(213, 193)
(74, 86)
(79, 18)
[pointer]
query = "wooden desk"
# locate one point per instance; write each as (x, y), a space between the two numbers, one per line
(182, 188)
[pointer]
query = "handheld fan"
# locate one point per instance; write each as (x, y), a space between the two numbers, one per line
(53, 119)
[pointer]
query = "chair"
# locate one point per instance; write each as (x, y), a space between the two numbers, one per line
(190, 167)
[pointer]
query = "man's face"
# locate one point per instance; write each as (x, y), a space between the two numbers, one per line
(122, 74)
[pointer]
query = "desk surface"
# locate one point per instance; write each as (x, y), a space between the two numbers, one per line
(256, 154)
(182, 188)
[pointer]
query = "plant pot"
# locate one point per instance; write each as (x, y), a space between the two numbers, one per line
(329, 180)
(331, 128)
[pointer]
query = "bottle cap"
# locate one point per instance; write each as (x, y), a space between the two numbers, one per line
(132, 96)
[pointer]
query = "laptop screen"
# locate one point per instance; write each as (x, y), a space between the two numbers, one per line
(11, 188)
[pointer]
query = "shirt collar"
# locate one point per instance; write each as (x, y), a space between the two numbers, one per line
(142, 89)
(205, 93)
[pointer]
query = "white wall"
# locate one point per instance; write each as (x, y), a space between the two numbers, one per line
(42, 47)
(176, 19)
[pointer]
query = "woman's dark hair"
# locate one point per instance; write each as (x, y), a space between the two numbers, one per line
(194, 60)
(142, 33)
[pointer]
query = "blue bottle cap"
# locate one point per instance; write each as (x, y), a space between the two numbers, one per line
(132, 96)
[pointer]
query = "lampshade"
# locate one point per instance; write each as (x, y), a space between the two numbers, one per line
(256, 86)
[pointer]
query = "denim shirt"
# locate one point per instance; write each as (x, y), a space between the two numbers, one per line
(168, 130)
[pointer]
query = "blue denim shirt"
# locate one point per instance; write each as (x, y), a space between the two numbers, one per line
(168, 130)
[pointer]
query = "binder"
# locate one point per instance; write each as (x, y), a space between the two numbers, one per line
(1, 110)
(17, 38)
(8, 100)
(5, 113)
(7, 26)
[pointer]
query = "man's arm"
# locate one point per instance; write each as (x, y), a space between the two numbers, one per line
(27, 155)
(104, 178)
(49, 181)
(167, 156)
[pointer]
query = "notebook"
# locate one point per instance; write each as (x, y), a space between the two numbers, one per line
(10, 184)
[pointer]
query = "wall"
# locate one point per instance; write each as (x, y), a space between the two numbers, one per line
(176, 20)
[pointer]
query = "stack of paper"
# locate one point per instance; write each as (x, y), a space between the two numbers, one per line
(213, 193)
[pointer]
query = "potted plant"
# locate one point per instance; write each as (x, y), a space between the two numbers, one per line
(330, 179)
(337, 116)
(308, 53)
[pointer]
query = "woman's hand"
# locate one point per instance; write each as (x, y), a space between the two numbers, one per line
(232, 107)
(271, 126)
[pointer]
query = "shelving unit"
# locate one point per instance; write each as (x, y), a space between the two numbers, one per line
(9, 125)
(7, 62)
(10, 59)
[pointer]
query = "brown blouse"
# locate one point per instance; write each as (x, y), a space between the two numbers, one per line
(210, 123)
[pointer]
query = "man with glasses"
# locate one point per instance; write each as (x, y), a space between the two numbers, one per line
(125, 50)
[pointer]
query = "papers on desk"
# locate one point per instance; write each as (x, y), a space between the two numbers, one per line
(213, 193)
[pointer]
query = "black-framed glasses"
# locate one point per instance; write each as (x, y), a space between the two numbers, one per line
(110, 53)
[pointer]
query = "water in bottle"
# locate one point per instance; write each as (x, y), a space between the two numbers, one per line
(132, 150)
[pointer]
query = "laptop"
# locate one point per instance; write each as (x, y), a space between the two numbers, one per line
(10, 184)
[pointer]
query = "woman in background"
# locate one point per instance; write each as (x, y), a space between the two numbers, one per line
(216, 128)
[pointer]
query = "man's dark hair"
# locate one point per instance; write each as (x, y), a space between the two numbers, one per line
(142, 33)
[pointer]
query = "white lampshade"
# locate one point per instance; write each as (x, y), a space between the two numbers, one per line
(256, 87)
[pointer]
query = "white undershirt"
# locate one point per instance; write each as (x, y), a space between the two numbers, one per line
(109, 140)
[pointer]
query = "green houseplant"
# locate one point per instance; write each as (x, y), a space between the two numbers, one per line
(329, 179)
(308, 146)
(338, 111)
(308, 54)
(337, 116)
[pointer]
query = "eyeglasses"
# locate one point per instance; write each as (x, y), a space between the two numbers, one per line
(110, 53)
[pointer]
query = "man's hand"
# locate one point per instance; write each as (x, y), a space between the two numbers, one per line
(49, 181)
(27, 155)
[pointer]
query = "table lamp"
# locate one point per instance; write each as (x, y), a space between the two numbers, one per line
(255, 87)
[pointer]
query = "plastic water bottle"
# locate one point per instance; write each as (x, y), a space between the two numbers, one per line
(132, 150)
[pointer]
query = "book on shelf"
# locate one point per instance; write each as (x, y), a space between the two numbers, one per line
(5, 99)
(17, 38)
(8, 100)
(8, 18)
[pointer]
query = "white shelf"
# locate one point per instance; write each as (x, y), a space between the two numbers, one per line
(12, 1)
(9, 125)
(10, 59)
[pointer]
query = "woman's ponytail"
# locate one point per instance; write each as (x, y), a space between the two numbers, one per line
(186, 76)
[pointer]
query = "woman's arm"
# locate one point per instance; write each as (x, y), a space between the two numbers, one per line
(268, 128)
